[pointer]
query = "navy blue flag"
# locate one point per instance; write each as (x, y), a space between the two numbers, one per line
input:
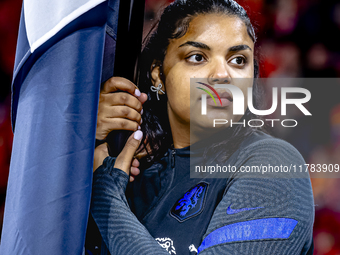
(55, 92)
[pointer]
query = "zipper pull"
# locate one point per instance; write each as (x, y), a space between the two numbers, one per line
(173, 152)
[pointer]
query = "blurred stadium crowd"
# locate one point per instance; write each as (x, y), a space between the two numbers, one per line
(296, 38)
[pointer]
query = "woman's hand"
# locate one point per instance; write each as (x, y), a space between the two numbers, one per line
(125, 160)
(119, 110)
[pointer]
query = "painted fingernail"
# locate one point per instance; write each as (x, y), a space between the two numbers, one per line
(138, 135)
(139, 128)
(141, 121)
(137, 92)
(141, 112)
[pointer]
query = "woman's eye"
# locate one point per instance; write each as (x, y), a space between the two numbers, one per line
(238, 61)
(197, 58)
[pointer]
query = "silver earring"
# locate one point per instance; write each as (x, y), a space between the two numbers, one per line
(157, 89)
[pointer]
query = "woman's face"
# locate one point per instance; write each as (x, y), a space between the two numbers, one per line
(217, 48)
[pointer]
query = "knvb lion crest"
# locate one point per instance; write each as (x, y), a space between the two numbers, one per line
(191, 203)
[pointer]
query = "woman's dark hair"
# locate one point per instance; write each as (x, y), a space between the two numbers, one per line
(173, 24)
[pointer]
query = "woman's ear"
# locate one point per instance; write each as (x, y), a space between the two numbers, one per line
(156, 75)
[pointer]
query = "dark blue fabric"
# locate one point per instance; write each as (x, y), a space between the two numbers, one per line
(269, 228)
(109, 58)
(25, 60)
(112, 18)
(22, 54)
(23, 47)
(49, 190)
(110, 39)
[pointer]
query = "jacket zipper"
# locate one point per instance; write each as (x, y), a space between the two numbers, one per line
(172, 162)
(173, 153)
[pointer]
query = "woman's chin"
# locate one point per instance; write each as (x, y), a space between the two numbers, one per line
(206, 128)
(211, 122)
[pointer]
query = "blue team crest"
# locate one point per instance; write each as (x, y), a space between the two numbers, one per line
(191, 204)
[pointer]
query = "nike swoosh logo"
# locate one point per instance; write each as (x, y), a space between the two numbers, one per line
(233, 211)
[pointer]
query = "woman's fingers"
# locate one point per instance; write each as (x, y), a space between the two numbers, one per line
(121, 98)
(101, 152)
(119, 83)
(123, 112)
(115, 84)
(117, 110)
(135, 163)
(133, 173)
(143, 97)
(124, 159)
(106, 125)
(134, 170)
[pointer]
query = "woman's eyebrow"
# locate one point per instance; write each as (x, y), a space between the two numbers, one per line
(239, 47)
(195, 44)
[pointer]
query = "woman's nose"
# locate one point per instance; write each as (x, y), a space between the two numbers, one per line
(219, 73)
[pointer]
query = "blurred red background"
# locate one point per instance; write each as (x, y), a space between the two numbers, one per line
(296, 38)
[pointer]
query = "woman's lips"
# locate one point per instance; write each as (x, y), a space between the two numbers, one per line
(226, 100)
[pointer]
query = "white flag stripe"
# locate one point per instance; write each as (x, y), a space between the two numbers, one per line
(43, 19)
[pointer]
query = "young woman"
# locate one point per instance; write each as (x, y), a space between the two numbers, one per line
(163, 210)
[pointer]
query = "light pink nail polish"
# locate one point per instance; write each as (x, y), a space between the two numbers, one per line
(138, 135)
(137, 92)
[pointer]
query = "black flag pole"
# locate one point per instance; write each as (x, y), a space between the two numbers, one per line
(128, 48)
(129, 35)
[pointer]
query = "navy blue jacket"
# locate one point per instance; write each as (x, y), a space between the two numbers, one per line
(166, 212)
